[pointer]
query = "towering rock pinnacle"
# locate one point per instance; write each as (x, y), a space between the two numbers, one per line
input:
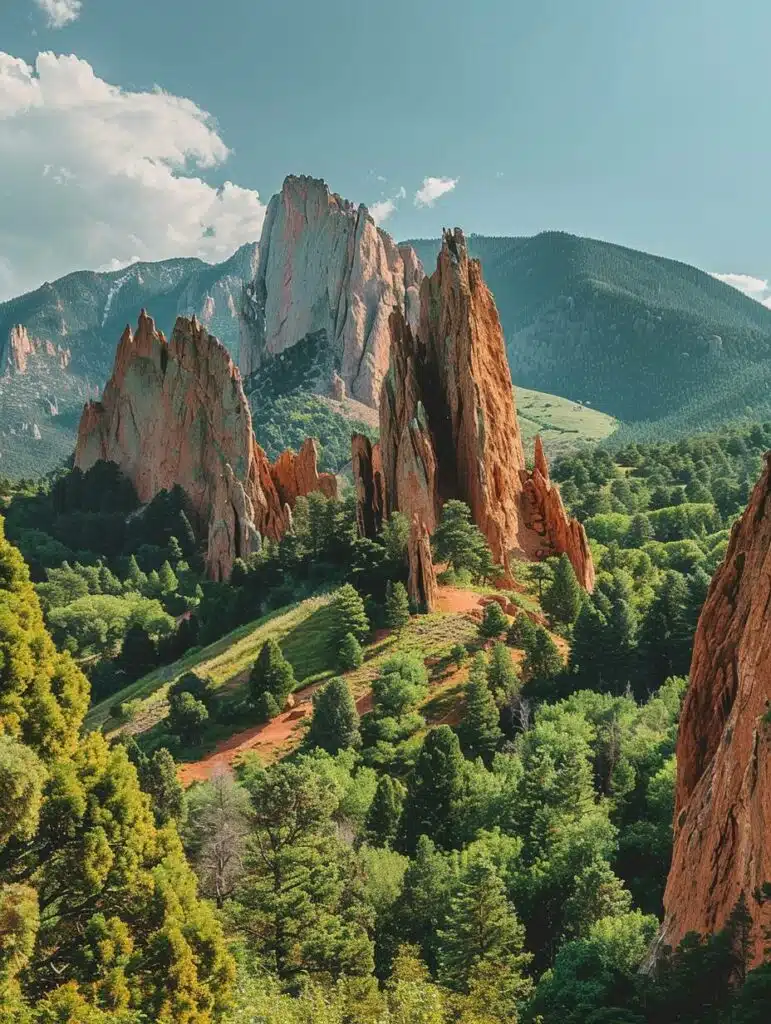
(367, 468)
(174, 413)
(326, 270)
(421, 581)
(448, 422)
(723, 797)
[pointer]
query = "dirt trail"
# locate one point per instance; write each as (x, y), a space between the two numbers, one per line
(453, 599)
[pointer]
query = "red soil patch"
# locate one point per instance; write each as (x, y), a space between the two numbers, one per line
(265, 739)
(455, 600)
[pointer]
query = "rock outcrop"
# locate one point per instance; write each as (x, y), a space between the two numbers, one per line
(175, 413)
(21, 347)
(367, 469)
(722, 820)
(545, 515)
(296, 474)
(326, 270)
(448, 422)
(421, 581)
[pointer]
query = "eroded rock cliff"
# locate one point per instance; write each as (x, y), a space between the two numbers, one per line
(325, 270)
(367, 469)
(723, 798)
(421, 580)
(296, 474)
(175, 413)
(448, 422)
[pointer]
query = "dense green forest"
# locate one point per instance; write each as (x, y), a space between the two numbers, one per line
(643, 338)
(504, 864)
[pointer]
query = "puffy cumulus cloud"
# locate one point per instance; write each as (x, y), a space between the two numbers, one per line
(383, 208)
(60, 12)
(433, 189)
(97, 176)
(755, 287)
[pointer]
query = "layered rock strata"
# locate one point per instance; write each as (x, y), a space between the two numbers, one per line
(722, 850)
(324, 267)
(174, 413)
(448, 422)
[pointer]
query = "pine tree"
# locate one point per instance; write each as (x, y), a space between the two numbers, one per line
(479, 731)
(348, 616)
(494, 621)
(351, 655)
(434, 790)
(521, 633)
(272, 675)
(135, 576)
(543, 660)
(562, 599)
(187, 717)
(482, 933)
(167, 579)
(397, 606)
(502, 677)
(458, 541)
(335, 722)
(384, 813)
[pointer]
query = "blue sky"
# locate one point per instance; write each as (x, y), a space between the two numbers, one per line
(644, 123)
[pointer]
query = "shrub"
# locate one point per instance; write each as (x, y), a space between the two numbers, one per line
(187, 717)
(494, 621)
(351, 655)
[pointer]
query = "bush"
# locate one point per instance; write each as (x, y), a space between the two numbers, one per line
(201, 687)
(521, 632)
(351, 655)
(335, 723)
(458, 654)
(267, 707)
(397, 606)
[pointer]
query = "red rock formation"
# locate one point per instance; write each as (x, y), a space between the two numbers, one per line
(722, 847)
(367, 468)
(448, 422)
(21, 347)
(175, 413)
(545, 515)
(421, 581)
(297, 475)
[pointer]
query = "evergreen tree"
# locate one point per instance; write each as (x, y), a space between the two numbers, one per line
(351, 655)
(348, 616)
(521, 633)
(397, 606)
(271, 676)
(502, 677)
(335, 722)
(562, 599)
(84, 871)
(384, 813)
(479, 731)
(640, 531)
(187, 717)
(459, 542)
(482, 934)
(138, 651)
(167, 580)
(434, 790)
(665, 640)
(135, 576)
(543, 660)
(494, 621)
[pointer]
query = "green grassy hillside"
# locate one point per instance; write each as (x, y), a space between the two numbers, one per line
(643, 338)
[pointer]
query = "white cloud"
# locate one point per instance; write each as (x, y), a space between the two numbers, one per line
(755, 287)
(95, 176)
(383, 208)
(60, 12)
(432, 189)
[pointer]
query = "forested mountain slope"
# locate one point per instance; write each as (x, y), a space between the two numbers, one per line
(641, 337)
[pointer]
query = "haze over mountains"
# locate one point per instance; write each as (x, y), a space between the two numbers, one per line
(660, 345)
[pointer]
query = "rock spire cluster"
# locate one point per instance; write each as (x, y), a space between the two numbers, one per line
(449, 428)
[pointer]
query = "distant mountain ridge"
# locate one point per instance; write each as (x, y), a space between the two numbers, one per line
(640, 337)
(71, 327)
